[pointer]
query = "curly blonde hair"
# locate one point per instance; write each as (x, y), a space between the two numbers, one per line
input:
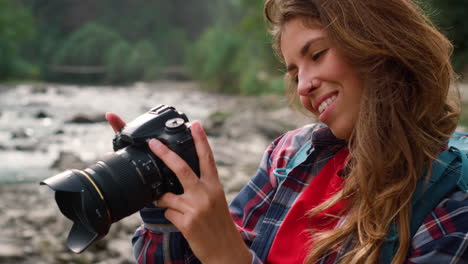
(408, 111)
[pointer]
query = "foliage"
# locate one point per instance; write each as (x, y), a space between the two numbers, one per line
(173, 43)
(86, 46)
(116, 62)
(167, 25)
(144, 62)
(210, 59)
(16, 28)
(237, 59)
(223, 43)
(451, 17)
(126, 63)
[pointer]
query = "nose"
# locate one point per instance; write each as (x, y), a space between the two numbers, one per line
(306, 86)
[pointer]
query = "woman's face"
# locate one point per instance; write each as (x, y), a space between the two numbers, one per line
(327, 84)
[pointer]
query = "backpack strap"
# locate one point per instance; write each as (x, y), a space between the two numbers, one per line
(428, 196)
(299, 157)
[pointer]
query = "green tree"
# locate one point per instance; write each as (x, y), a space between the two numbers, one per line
(451, 17)
(116, 62)
(210, 60)
(16, 28)
(237, 57)
(87, 46)
(144, 62)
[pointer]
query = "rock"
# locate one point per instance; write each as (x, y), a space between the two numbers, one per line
(39, 89)
(26, 146)
(21, 133)
(34, 104)
(213, 125)
(243, 125)
(10, 250)
(39, 218)
(87, 119)
(236, 182)
(271, 129)
(120, 247)
(32, 230)
(67, 160)
(239, 131)
(42, 114)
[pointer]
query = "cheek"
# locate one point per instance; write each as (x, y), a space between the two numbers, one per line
(306, 103)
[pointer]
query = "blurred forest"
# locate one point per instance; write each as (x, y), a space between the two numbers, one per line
(221, 43)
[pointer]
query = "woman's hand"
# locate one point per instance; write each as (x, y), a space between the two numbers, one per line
(115, 121)
(201, 213)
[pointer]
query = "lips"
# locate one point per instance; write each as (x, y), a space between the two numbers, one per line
(324, 101)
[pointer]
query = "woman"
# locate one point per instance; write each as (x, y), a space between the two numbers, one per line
(377, 74)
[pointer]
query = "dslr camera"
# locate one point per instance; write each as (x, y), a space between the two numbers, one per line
(125, 181)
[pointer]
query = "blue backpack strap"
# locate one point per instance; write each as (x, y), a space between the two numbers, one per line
(299, 157)
(438, 187)
(428, 196)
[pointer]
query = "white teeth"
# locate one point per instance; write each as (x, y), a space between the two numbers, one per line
(326, 103)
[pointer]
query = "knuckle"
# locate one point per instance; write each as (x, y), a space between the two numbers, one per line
(176, 199)
(162, 150)
(184, 169)
(188, 228)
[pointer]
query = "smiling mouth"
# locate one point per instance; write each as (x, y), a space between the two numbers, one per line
(326, 103)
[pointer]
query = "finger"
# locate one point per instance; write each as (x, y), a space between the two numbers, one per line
(205, 154)
(181, 169)
(172, 201)
(115, 121)
(107, 155)
(175, 217)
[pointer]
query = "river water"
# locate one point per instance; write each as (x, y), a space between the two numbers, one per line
(34, 125)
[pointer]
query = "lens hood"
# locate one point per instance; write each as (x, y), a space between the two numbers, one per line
(80, 200)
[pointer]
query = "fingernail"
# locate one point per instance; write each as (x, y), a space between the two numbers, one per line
(154, 143)
(197, 126)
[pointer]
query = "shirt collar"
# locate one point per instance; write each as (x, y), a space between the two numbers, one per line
(324, 137)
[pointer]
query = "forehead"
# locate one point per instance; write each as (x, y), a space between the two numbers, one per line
(297, 32)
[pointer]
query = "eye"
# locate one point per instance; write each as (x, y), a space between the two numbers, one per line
(319, 54)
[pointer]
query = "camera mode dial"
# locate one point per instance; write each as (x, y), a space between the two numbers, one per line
(175, 125)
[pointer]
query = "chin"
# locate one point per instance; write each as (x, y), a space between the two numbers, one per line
(341, 133)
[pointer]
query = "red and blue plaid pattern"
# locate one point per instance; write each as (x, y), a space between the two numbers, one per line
(260, 207)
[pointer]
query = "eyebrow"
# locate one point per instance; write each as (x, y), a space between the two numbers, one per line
(304, 50)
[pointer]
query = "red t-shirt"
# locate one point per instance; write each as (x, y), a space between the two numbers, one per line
(293, 239)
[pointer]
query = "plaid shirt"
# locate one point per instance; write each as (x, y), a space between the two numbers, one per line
(260, 207)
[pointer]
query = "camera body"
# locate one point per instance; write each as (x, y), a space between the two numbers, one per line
(125, 181)
(172, 128)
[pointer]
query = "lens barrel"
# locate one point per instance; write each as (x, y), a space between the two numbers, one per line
(113, 188)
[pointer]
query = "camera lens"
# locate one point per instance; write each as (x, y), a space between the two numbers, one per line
(113, 188)
(125, 181)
